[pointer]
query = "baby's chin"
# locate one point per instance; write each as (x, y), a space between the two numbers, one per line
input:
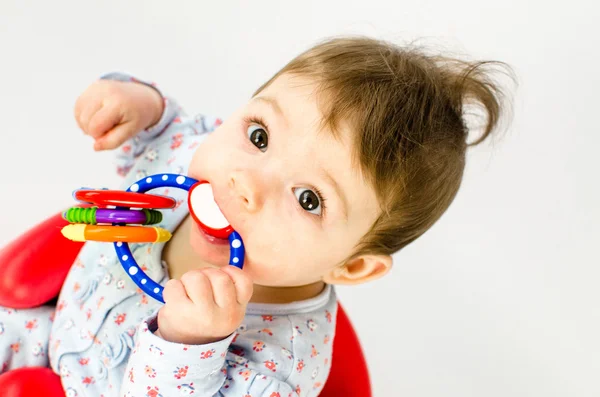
(212, 251)
(216, 254)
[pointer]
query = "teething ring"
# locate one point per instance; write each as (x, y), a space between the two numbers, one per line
(220, 227)
(130, 198)
(94, 215)
(146, 284)
(111, 234)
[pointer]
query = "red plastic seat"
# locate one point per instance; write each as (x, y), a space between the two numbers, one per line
(349, 374)
(33, 269)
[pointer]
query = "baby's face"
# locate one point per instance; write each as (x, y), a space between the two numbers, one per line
(289, 189)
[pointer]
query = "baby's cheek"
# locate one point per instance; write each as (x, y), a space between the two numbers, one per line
(268, 270)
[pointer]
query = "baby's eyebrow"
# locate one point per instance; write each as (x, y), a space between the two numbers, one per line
(272, 102)
(339, 191)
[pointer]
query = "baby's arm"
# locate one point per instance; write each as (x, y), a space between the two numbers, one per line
(120, 110)
(198, 342)
(263, 359)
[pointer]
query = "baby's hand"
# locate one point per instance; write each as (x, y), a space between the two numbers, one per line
(113, 111)
(205, 306)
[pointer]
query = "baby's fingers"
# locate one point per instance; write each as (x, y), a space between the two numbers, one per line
(103, 121)
(85, 109)
(115, 137)
(223, 289)
(198, 288)
(243, 284)
(174, 293)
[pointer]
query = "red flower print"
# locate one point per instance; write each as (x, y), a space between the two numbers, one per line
(15, 347)
(176, 140)
(245, 374)
(130, 375)
(84, 361)
(186, 389)
(149, 371)
(266, 331)
(326, 339)
(267, 318)
(311, 325)
(87, 380)
(258, 346)
(275, 394)
(207, 354)
(295, 332)
(153, 391)
(181, 372)
(300, 366)
(31, 324)
(120, 318)
(328, 316)
(271, 365)
(61, 305)
(313, 352)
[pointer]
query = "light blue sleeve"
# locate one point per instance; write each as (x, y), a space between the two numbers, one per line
(268, 356)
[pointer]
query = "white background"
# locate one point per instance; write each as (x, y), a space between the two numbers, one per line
(499, 298)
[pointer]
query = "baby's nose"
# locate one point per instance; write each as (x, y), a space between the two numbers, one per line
(248, 189)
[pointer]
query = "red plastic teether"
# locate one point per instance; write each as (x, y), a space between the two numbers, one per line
(118, 198)
(31, 381)
(206, 213)
(33, 267)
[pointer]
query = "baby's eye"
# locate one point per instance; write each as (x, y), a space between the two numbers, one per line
(308, 200)
(258, 136)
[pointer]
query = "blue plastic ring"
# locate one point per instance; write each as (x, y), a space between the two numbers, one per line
(146, 284)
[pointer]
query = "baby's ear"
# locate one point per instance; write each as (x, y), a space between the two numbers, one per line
(360, 270)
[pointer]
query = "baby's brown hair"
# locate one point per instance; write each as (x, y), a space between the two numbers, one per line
(406, 111)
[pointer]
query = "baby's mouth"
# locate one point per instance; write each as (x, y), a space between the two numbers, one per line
(206, 212)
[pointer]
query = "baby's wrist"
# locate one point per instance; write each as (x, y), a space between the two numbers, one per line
(157, 105)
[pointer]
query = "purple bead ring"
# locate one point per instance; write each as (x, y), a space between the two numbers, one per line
(94, 215)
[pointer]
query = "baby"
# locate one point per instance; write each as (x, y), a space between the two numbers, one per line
(346, 155)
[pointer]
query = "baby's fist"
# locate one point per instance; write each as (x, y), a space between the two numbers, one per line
(205, 306)
(113, 111)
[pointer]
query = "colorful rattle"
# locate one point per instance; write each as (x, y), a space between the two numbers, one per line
(110, 224)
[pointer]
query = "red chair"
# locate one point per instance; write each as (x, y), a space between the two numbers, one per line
(33, 268)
